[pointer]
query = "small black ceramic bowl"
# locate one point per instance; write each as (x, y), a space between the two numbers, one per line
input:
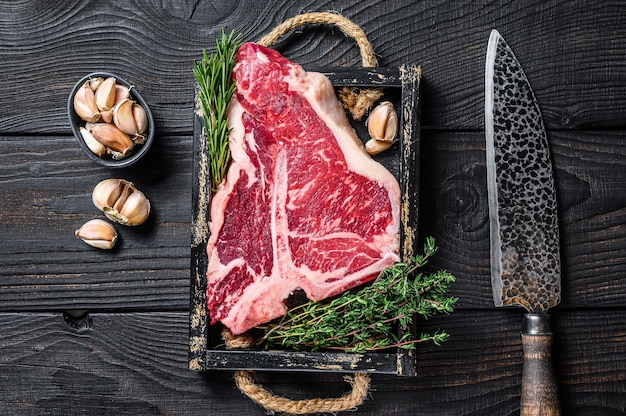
(76, 122)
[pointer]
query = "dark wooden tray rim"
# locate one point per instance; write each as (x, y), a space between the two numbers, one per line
(206, 349)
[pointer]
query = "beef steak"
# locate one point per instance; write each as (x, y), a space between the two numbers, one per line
(303, 205)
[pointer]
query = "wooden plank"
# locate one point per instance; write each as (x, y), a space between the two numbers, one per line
(137, 362)
(559, 44)
(47, 196)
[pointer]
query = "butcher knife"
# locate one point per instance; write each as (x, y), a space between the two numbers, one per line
(524, 230)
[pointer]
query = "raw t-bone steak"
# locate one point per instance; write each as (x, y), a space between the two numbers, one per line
(302, 206)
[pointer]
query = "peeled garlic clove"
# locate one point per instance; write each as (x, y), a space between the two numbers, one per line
(122, 92)
(105, 94)
(97, 233)
(95, 146)
(112, 137)
(85, 104)
(382, 123)
(374, 147)
(121, 201)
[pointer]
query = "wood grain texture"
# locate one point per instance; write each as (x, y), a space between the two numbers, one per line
(128, 355)
(136, 363)
(539, 389)
(150, 268)
(46, 47)
(50, 194)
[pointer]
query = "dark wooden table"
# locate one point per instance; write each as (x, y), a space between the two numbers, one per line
(89, 332)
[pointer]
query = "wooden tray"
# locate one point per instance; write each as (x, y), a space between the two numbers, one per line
(206, 349)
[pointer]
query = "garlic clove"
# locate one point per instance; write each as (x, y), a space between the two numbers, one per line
(105, 94)
(121, 202)
(85, 104)
(107, 116)
(126, 188)
(108, 191)
(95, 146)
(112, 137)
(97, 233)
(122, 92)
(382, 123)
(136, 209)
(94, 83)
(141, 118)
(374, 147)
(123, 117)
(130, 117)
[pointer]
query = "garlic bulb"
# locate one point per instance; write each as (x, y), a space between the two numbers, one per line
(121, 201)
(97, 233)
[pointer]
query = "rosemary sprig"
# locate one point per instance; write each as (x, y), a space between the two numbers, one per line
(215, 89)
(367, 320)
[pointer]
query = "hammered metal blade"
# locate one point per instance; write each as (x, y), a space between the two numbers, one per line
(525, 258)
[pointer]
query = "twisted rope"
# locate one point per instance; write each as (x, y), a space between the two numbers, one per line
(349, 28)
(358, 102)
(360, 385)
(245, 381)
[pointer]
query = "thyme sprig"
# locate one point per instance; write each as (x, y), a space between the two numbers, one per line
(368, 320)
(215, 89)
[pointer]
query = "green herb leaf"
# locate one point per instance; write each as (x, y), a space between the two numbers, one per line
(215, 89)
(368, 320)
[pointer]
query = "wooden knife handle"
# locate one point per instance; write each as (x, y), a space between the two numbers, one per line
(539, 388)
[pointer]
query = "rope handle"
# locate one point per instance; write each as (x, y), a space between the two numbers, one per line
(245, 380)
(357, 102)
(360, 385)
(349, 28)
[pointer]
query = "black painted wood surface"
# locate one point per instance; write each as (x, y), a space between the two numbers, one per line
(90, 332)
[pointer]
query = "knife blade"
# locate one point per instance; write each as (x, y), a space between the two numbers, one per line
(523, 218)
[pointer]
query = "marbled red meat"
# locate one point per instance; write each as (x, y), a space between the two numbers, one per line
(303, 205)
